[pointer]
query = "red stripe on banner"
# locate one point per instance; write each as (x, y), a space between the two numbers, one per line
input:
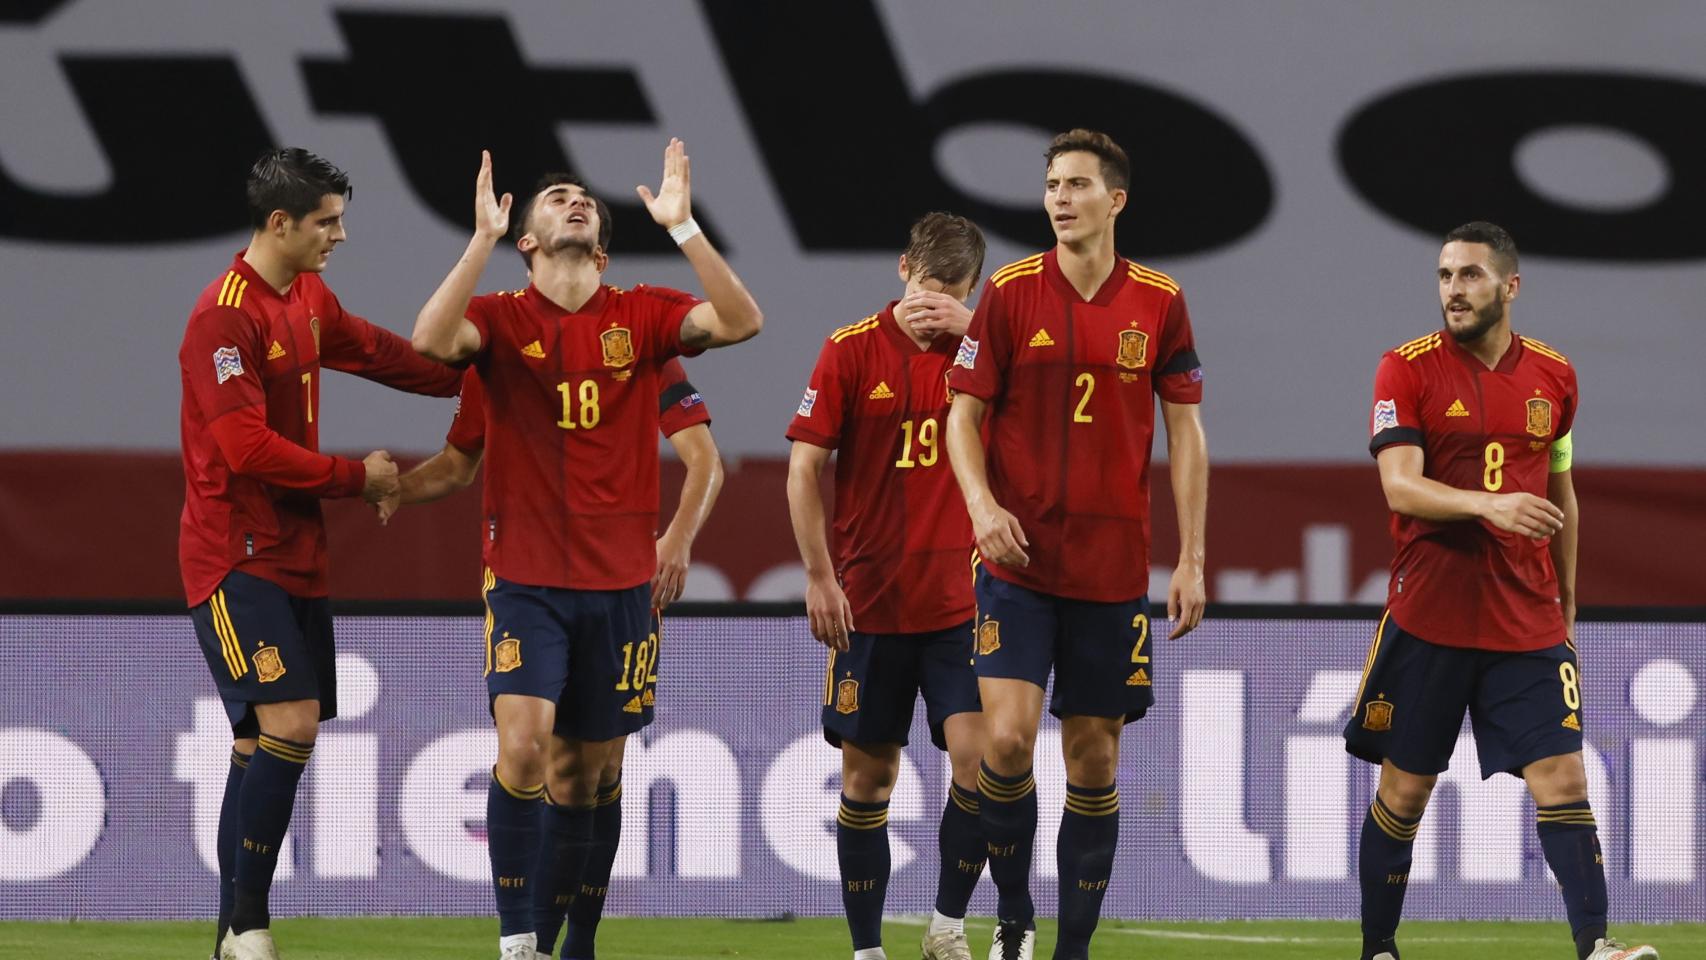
(105, 525)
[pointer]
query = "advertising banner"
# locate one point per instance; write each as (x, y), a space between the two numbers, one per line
(1237, 798)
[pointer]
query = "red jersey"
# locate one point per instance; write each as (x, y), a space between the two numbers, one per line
(679, 406)
(571, 494)
(902, 537)
(1071, 385)
(253, 477)
(1467, 583)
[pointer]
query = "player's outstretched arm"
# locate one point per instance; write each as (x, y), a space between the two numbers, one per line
(999, 537)
(729, 314)
(1187, 457)
(1561, 490)
(827, 608)
(1411, 494)
(442, 329)
(434, 478)
(698, 452)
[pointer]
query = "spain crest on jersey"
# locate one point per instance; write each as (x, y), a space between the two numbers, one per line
(988, 637)
(1540, 416)
(1134, 349)
(847, 696)
(618, 347)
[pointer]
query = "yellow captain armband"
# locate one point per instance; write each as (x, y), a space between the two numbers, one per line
(1562, 450)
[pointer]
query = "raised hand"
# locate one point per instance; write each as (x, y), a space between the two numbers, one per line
(673, 203)
(491, 215)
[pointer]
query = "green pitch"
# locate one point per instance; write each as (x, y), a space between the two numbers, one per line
(410, 938)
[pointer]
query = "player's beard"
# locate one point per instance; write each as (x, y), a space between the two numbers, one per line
(1485, 319)
(571, 248)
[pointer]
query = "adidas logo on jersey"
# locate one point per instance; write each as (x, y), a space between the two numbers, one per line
(1042, 339)
(880, 392)
(1139, 678)
(276, 352)
(1572, 722)
(632, 706)
(533, 350)
(1457, 409)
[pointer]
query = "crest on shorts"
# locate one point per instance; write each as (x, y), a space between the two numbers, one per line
(269, 666)
(988, 637)
(1377, 715)
(847, 696)
(506, 656)
(618, 347)
(1540, 416)
(1134, 349)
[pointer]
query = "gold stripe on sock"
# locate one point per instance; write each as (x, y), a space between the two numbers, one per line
(1389, 824)
(284, 750)
(520, 793)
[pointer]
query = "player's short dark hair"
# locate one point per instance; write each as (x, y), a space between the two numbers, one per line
(946, 248)
(1494, 236)
(1116, 167)
(293, 180)
(518, 225)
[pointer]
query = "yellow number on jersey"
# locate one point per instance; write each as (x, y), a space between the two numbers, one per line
(1493, 477)
(589, 412)
(927, 450)
(1088, 382)
(308, 392)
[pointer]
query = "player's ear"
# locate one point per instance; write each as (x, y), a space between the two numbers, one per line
(1512, 285)
(600, 259)
(278, 222)
(904, 271)
(1119, 199)
(527, 243)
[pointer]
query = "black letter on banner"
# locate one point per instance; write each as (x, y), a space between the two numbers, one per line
(179, 135)
(1439, 155)
(445, 87)
(851, 153)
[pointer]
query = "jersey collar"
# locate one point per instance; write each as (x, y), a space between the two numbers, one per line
(593, 305)
(1506, 364)
(1105, 295)
(257, 283)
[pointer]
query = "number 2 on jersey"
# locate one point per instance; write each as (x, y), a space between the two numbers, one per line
(1493, 477)
(1088, 382)
(589, 412)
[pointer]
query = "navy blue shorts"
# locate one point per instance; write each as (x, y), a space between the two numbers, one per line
(1100, 653)
(1522, 707)
(590, 652)
(869, 691)
(265, 646)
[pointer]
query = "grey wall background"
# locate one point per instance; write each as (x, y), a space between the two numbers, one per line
(1290, 319)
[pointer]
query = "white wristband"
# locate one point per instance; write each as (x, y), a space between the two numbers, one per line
(684, 231)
